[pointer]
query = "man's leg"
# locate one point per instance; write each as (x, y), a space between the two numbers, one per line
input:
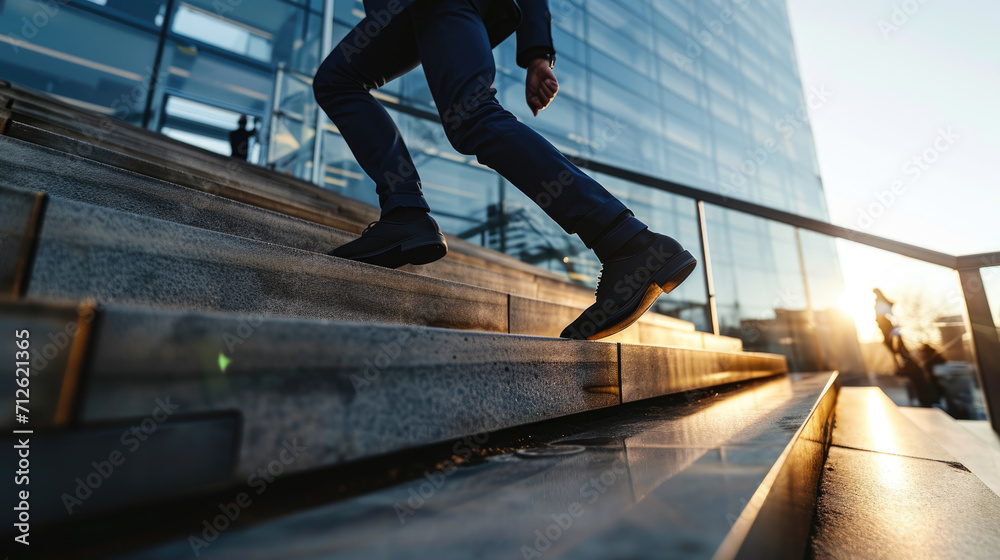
(454, 48)
(368, 58)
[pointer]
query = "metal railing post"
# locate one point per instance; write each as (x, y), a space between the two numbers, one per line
(272, 115)
(985, 341)
(813, 326)
(713, 313)
(318, 170)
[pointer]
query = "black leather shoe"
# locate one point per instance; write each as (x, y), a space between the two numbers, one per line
(392, 244)
(629, 285)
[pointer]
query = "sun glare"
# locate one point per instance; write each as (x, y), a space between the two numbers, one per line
(860, 305)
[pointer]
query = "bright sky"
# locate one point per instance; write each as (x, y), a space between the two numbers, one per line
(910, 79)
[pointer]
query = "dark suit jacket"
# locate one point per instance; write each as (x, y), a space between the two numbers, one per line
(529, 18)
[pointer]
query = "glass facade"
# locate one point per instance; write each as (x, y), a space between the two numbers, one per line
(131, 58)
(704, 93)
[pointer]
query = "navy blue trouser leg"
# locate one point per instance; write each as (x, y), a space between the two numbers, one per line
(361, 62)
(449, 38)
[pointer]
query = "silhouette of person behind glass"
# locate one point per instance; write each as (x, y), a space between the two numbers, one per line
(239, 139)
(891, 336)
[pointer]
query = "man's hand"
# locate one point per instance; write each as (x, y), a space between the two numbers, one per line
(541, 86)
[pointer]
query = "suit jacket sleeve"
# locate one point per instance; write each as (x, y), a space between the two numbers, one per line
(534, 35)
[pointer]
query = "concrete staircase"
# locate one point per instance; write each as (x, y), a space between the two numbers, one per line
(904, 483)
(169, 291)
(981, 457)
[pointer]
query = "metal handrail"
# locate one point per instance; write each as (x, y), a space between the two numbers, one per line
(819, 226)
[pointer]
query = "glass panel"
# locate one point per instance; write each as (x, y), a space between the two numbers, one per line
(216, 80)
(41, 48)
(267, 31)
(463, 194)
(760, 293)
(148, 12)
(222, 32)
(206, 126)
(834, 327)
(342, 172)
(293, 128)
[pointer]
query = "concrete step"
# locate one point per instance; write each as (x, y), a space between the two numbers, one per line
(45, 112)
(36, 153)
(20, 212)
(225, 177)
(33, 167)
(726, 475)
(890, 491)
(119, 257)
(980, 458)
(85, 251)
(344, 391)
(982, 430)
(90, 135)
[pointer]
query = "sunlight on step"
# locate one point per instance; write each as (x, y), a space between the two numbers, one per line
(890, 467)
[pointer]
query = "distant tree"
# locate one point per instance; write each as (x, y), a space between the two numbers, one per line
(917, 310)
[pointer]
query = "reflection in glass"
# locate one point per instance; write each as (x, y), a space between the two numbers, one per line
(835, 328)
(223, 32)
(46, 52)
(202, 125)
(254, 31)
(293, 127)
(760, 292)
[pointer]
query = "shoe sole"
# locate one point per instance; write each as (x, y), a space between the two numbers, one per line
(424, 250)
(664, 281)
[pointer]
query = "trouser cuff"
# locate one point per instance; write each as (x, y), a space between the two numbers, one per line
(391, 201)
(615, 239)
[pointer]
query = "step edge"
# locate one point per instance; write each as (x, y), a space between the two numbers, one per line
(743, 529)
